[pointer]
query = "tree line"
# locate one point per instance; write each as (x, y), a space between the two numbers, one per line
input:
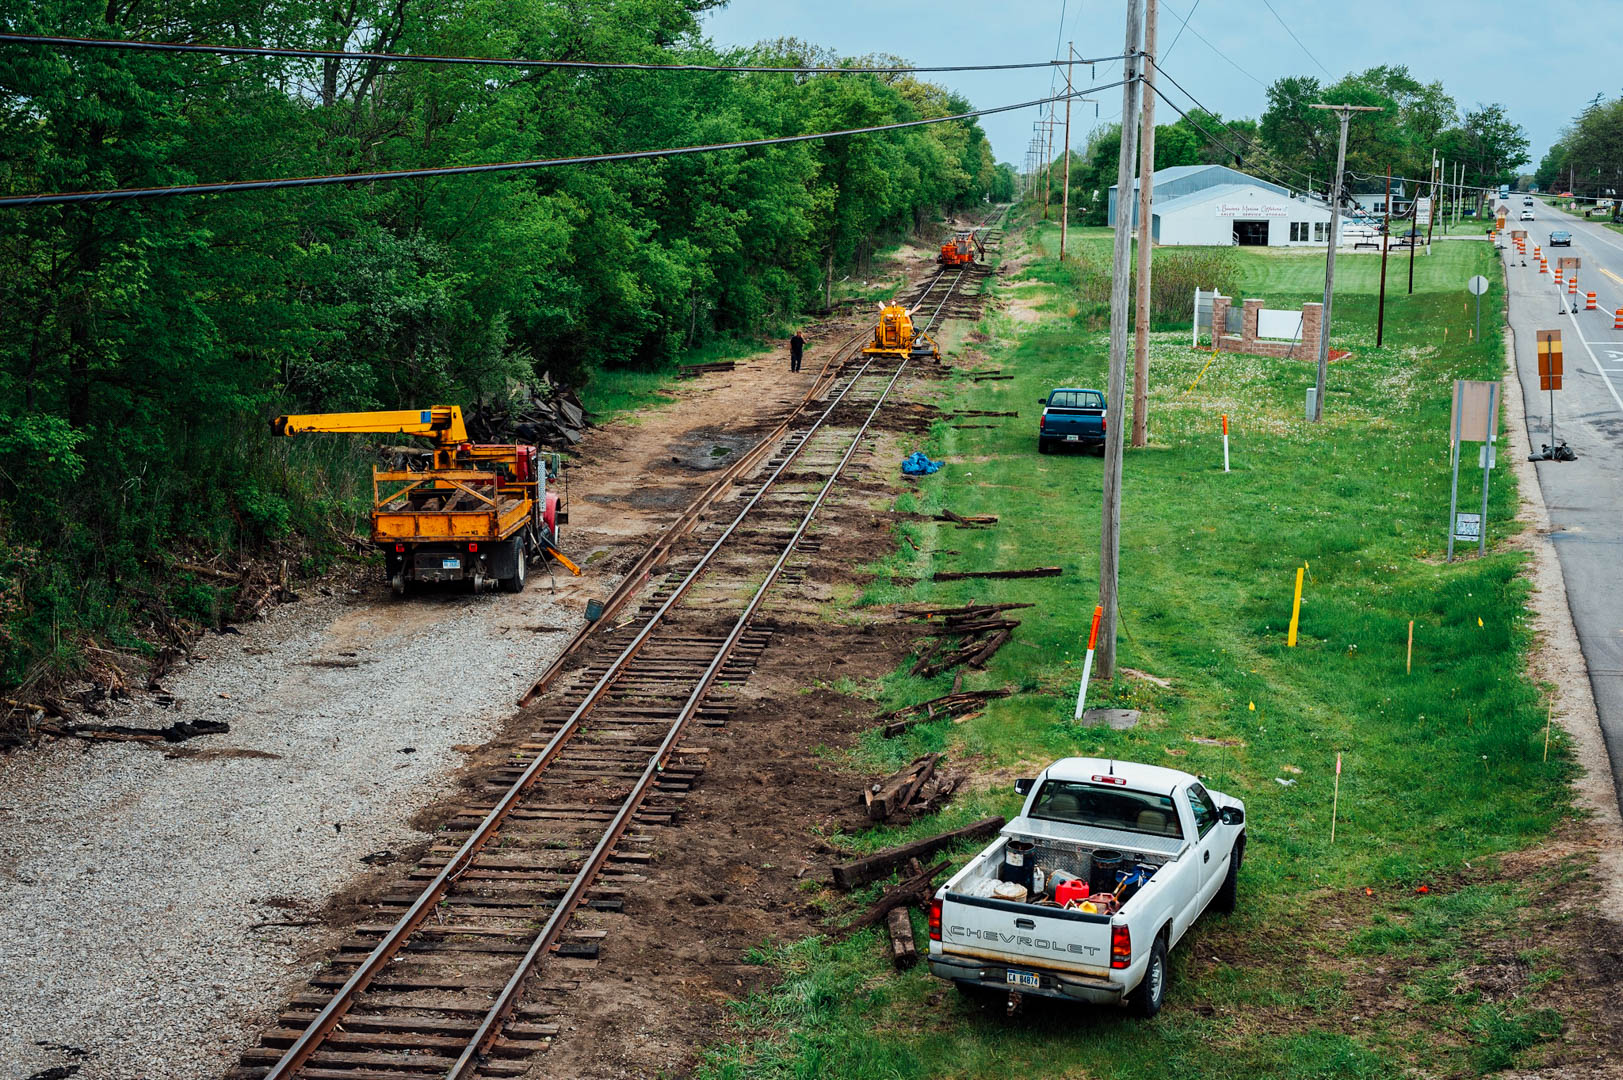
(1294, 145)
(1587, 159)
(143, 345)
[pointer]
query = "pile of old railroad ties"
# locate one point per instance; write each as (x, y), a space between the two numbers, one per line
(542, 414)
(969, 636)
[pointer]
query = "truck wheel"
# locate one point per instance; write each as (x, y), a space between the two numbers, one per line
(1146, 998)
(397, 584)
(515, 584)
(1043, 447)
(1228, 895)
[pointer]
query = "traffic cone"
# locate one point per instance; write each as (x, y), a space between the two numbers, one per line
(1589, 301)
(1572, 289)
(1544, 266)
(1558, 275)
(1617, 321)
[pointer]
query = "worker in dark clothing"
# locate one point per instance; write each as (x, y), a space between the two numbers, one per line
(797, 347)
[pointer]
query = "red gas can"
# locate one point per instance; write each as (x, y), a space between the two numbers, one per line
(1066, 891)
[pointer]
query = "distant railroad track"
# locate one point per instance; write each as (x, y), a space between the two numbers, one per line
(440, 989)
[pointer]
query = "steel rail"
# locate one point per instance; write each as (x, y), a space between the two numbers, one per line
(490, 1028)
(660, 549)
(325, 1021)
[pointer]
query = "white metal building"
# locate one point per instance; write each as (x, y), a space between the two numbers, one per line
(1217, 206)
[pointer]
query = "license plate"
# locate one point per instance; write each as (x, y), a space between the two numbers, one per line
(1073, 438)
(1023, 978)
(450, 564)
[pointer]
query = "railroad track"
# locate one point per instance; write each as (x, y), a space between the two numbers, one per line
(458, 975)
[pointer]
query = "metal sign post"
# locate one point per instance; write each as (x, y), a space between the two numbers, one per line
(1478, 285)
(1549, 370)
(1474, 418)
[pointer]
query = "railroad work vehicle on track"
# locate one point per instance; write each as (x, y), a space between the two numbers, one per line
(477, 513)
(1084, 894)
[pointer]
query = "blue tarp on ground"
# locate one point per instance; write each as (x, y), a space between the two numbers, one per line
(916, 464)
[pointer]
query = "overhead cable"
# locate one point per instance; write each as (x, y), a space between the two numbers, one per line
(230, 186)
(1296, 39)
(1225, 56)
(415, 58)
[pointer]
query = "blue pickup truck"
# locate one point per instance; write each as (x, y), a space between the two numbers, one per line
(1071, 417)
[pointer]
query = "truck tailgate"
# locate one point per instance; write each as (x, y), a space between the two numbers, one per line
(1025, 935)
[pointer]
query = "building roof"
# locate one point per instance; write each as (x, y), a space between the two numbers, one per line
(1205, 195)
(1183, 179)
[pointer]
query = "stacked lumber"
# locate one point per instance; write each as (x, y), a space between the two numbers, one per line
(966, 635)
(912, 791)
(858, 872)
(540, 414)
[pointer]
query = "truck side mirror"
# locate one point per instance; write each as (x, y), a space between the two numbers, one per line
(1042, 401)
(1232, 815)
(1023, 786)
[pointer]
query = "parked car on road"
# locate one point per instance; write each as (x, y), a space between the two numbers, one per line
(1560, 238)
(1084, 895)
(1071, 416)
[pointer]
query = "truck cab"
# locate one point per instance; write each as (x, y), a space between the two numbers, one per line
(1083, 896)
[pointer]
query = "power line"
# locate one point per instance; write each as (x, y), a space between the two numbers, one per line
(411, 58)
(229, 186)
(1179, 34)
(1296, 39)
(1219, 120)
(1225, 56)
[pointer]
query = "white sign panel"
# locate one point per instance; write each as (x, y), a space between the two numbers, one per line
(1283, 325)
(1422, 213)
(1253, 210)
(1467, 526)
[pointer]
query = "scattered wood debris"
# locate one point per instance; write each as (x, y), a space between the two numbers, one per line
(693, 371)
(970, 521)
(848, 876)
(903, 952)
(915, 890)
(957, 703)
(913, 791)
(965, 575)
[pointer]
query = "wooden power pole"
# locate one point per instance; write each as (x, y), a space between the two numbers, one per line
(1343, 114)
(1146, 185)
(1115, 406)
(1065, 179)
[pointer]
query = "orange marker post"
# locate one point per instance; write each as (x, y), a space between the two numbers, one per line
(1225, 442)
(1087, 665)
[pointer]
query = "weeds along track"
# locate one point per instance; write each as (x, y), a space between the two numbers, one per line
(458, 975)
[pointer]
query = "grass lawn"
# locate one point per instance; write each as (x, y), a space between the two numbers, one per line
(1444, 773)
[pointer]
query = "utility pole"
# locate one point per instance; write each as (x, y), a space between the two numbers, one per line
(1386, 242)
(1146, 185)
(1436, 197)
(1115, 406)
(1343, 114)
(1065, 180)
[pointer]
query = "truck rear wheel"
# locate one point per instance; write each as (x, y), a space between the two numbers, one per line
(1146, 998)
(515, 584)
(1228, 895)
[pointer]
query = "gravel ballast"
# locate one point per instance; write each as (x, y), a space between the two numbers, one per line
(147, 889)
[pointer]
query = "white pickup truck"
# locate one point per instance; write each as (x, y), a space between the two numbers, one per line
(1155, 839)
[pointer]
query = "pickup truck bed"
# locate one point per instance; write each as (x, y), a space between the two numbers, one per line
(1178, 845)
(1071, 416)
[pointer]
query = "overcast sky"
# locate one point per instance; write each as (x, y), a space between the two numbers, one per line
(1483, 51)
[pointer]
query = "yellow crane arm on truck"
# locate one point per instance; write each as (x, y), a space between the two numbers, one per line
(442, 423)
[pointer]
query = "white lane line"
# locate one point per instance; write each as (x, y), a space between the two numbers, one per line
(1579, 330)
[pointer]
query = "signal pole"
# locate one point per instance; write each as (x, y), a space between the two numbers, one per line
(1344, 114)
(1115, 407)
(1146, 185)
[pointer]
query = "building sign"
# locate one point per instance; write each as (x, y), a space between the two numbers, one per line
(1252, 210)
(1422, 212)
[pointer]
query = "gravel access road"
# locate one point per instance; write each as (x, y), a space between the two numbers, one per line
(147, 889)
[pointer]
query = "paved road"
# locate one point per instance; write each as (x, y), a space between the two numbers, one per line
(1585, 497)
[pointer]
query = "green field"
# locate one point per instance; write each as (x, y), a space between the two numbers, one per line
(1444, 767)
